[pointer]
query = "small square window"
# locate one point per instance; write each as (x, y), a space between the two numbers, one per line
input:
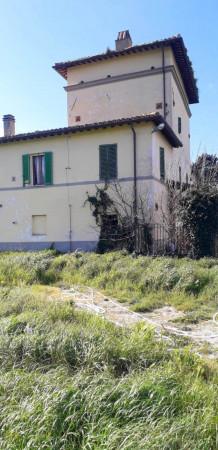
(39, 225)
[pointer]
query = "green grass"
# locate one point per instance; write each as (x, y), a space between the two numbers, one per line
(145, 283)
(72, 381)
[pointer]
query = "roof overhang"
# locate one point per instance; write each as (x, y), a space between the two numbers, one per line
(156, 118)
(175, 42)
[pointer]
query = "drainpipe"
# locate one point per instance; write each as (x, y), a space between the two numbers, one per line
(70, 228)
(135, 200)
(164, 83)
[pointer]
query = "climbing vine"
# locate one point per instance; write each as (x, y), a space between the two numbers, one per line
(114, 216)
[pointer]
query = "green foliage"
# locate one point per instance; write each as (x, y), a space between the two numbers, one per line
(199, 215)
(99, 203)
(72, 381)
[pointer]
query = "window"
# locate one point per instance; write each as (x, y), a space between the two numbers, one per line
(109, 224)
(162, 164)
(108, 161)
(39, 225)
(179, 125)
(186, 178)
(180, 175)
(37, 169)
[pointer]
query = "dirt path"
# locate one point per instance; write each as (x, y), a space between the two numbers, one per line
(203, 334)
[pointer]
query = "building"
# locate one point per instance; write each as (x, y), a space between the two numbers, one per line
(128, 121)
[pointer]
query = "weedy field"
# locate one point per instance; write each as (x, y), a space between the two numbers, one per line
(70, 380)
(145, 283)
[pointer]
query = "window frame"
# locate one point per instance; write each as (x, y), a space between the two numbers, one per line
(162, 176)
(179, 125)
(32, 155)
(101, 178)
(28, 168)
(180, 175)
(39, 215)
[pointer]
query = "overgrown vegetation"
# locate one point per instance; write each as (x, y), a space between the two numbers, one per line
(195, 208)
(72, 381)
(144, 282)
(189, 225)
(121, 224)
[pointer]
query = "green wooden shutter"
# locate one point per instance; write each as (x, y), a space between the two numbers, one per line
(112, 161)
(103, 162)
(48, 168)
(108, 161)
(26, 169)
(162, 164)
(179, 125)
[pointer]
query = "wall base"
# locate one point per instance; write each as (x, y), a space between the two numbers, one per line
(62, 246)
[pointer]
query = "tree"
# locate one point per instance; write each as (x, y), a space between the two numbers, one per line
(205, 170)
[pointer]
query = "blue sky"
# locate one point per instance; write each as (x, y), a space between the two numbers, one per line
(36, 33)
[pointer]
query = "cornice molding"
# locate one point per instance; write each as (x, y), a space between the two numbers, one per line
(131, 76)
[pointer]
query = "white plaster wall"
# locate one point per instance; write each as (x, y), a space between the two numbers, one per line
(118, 66)
(115, 100)
(179, 110)
(80, 152)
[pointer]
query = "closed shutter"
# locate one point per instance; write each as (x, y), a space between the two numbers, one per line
(48, 168)
(162, 164)
(26, 169)
(108, 161)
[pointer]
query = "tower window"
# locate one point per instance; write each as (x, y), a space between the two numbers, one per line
(179, 125)
(180, 175)
(162, 164)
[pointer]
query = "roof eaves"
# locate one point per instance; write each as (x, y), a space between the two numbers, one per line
(179, 49)
(152, 117)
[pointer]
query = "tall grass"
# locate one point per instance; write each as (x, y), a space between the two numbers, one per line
(146, 283)
(72, 381)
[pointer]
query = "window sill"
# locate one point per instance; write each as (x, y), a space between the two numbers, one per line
(108, 180)
(36, 185)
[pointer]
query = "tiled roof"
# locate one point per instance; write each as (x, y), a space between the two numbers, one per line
(175, 42)
(156, 118)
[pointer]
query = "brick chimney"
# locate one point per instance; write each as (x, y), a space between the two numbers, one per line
(9, 125)
(123, 41)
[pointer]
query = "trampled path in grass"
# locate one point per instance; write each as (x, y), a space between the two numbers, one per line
(72, 380)
(204, 335)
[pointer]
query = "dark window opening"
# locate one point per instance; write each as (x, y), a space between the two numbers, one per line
(162, 164)
(179, 125)
(180, 175)
(109, 224)
(108, 161)
(38, 169)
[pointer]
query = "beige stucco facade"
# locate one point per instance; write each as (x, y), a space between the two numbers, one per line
(75, 172)
(130, 86)
(125, 86)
